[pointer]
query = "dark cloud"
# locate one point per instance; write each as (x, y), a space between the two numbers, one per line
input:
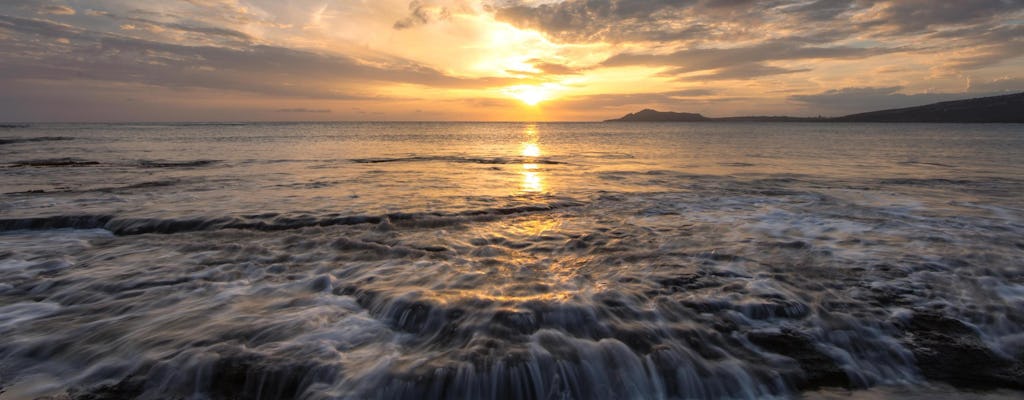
(588, 20)
(917, 15)
(823, 10)
(420, 13)
(674, 20)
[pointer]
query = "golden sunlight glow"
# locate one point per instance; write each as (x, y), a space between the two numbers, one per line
(531, 94)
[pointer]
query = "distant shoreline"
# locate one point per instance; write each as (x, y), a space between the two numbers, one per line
(992, 110)
(995, 109)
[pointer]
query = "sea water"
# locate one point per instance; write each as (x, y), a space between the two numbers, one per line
(510, 260)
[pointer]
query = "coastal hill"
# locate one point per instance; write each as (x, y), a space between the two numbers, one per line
(1006, 108)
(662, 116)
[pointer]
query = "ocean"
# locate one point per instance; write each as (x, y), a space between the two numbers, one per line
(511, 260)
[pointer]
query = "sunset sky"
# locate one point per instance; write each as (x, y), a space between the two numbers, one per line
(574, 60)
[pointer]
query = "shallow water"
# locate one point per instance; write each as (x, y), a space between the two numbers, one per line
(464, 260)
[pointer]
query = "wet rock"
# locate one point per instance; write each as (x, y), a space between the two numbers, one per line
(519, 321)
(410, 316)
(707, 305)
(721, 257)
(795, 245)
(949, 350)
(242, 376)
(128, 388)
(640, 339)
(575, 319)
(322, 283)
(775, 309)
(688, 282)
(54, 162)
(435, 249)
(817, 369)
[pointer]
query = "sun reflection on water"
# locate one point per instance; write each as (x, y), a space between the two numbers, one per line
(531, 150)
(532, 179)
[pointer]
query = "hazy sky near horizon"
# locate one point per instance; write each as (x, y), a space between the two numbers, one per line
(231, 60)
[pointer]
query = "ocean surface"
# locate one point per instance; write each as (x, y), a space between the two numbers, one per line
(511, 260)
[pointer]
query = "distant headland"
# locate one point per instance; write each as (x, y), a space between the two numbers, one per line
(996, 109)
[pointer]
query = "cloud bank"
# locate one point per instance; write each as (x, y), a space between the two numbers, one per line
(401, 59)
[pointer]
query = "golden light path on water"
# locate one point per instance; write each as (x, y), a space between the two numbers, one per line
(533, 181)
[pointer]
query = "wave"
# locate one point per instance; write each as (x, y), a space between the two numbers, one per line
(174, 124)
(54, 162)
(929, 164)
(925, 181)
(77, 162)
(176, 164)
(30, 140)
(124, 226)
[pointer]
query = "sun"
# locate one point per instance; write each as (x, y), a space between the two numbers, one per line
(530, 94)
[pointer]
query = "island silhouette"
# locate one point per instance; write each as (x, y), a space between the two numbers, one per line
(995, 109)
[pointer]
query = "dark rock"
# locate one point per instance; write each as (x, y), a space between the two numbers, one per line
(128, 388)
(322, 283)
(817, 369)
(949, 350)
(519, 321)
(410, 316)
(639, 338)
(688, 282)
(796, 245)
(775, 309)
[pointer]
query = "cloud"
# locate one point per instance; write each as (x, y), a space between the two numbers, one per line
(205, 31)
(57, 10)
(712, 58)
(907, 16)
(553, 68)
(823, 10)
(264, 69)
(862, 99)
(740, 63)
(587, 20)
(998, 85)
(670, 99)
(743, 72)
(670, 20)
(394, 54)
(420, 13)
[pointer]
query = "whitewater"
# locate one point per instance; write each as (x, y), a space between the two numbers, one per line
(511, 260)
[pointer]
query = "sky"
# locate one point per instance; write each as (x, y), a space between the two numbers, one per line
(496, 60)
